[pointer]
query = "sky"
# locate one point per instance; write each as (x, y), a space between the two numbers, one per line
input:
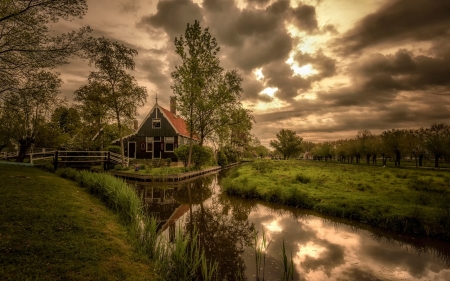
(323, 68)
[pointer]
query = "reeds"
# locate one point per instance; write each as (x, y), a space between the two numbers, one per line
(183, 260)
(260, 249)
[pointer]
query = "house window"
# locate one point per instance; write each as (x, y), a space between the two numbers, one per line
(169, 146)
(156, 123)
(149, 144)
(157, 138)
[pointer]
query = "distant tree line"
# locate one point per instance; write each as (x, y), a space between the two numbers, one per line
(396, 144)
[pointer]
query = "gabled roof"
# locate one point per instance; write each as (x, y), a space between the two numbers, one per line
(177, 122)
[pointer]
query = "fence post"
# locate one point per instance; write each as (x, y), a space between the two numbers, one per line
(109, 161)
(55, 163)
(31, 158)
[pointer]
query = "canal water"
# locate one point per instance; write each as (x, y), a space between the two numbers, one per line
(322, 248)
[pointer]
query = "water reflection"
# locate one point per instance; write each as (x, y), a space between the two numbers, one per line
(323, 248)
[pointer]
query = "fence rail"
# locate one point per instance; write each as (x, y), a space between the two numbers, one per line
(71, 157)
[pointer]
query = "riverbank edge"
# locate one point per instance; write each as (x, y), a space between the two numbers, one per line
(69, 233)
(412, 224)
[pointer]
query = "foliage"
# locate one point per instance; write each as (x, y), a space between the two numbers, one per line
(28, 109)
(202, 155)
(207, 96)
(117, 89)
(182, 153)
(287, 143)
(114, 148)
(27, 46)
(222, 159)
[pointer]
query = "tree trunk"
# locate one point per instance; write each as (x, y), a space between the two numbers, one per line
(397, 158)
(420, 160)
(121, 141)
(368, 158)
(374, 159)
(24, 146)
(436, 160)
(415, 159)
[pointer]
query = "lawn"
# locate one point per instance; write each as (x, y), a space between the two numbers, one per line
(414, 201)
(52, 229)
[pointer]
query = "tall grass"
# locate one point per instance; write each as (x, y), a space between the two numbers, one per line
(183, 260)
(260, 249)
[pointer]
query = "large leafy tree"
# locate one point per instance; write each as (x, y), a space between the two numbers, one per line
(117, 89)
(93, 108)
(30, 108)
(207, 95)
(26, 43)
(288, 143)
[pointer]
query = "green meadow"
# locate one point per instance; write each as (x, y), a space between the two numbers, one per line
(52, 229)
(414, 201)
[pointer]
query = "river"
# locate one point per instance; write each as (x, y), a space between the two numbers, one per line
(322, 247)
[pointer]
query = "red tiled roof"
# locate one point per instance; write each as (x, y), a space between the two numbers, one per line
(178, 123)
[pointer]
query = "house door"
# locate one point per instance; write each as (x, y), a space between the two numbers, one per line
(131, 150)
(156, 150)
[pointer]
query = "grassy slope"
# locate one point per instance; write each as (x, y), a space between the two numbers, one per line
(411, 201)
(54, 230)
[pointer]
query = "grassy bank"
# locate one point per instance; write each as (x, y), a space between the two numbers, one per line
(406, 201)
(51, 229)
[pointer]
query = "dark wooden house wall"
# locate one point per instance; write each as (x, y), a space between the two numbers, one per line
(147, 130)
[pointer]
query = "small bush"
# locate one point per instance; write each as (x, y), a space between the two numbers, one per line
(302, 178)
(67, 173)
(168, 162)
(222, 159)
(114, 148)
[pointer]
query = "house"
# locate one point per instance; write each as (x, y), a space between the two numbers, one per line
(158, 135)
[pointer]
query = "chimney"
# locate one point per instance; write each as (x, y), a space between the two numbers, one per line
(173, 105)
(136, 124)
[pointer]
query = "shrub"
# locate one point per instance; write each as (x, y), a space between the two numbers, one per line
(114, 148)
(222, 159)
(67, 173)
(168, 162)
(182, 153)
(201, 155)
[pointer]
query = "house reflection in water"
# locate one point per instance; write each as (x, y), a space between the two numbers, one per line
(160, 203)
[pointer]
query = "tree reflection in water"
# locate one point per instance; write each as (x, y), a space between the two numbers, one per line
(223, 227)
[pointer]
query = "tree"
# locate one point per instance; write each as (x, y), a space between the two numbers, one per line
(438, 141)
(287, 143)
(122, 94)
(93, 107)
(26, 43)
(207, 96)
(394, 141)
(29, 109)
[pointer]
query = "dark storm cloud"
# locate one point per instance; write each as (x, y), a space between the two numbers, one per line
(258, 2)
(280, 75)
(325, 66)
(401, 20)
(304, 18)
(173, 15)
(155, 72)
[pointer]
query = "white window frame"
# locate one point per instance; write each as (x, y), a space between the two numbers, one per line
(169, 139)
(173, 146)
(156, 120)
(147, 141)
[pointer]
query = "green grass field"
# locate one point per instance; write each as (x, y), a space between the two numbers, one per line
(414, 201)
(52, 229)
